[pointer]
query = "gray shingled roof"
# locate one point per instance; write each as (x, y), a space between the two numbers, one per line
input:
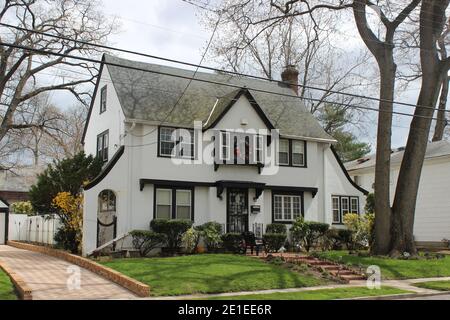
(149, 96)
(434, 150)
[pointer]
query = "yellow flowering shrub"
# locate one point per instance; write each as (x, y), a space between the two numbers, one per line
(70, 211)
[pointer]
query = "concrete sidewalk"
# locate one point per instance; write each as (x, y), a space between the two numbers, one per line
(48, 277)
(406, 285)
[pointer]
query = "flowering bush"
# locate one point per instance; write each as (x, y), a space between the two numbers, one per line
(69, 209)
(361, 227)
(22, 208)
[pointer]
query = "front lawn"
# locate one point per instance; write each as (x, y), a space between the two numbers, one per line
(6, 287)
(434, 285)
(210, 274)
(322, 294)
(395, 268)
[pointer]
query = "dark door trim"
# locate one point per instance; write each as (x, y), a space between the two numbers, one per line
(246, 192)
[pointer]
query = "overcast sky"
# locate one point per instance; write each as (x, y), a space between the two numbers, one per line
(171, 28)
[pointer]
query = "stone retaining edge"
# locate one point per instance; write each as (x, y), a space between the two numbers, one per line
(25, 292)
(138, 288)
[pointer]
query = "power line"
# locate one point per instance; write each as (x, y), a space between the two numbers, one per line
(212, 68)
(207, 81)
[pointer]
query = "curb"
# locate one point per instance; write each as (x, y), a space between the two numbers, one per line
(138, 288)
(25, 292)
(402, 296)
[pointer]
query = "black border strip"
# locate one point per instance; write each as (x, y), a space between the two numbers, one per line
(109, 166)
(346, 173)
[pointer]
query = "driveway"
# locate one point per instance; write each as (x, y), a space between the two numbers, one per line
(53, 279)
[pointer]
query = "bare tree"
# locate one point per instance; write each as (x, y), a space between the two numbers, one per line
(435, 67)
(23, 73)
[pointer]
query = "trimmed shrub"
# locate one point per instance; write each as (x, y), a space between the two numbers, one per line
(274, 241)
(336, 239)
(190, 240)
(232, 242)
(211, 233)
(276, 228)
(308, 233)
(173, 229)
(370, 203)
(362, 228)
(145, 241)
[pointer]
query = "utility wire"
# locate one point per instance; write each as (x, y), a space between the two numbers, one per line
(91, 60)
(212, 68)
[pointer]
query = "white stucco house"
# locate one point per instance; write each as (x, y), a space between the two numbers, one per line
(143, 122)
(432, 222)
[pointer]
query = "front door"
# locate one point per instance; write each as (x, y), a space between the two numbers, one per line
(237, 210)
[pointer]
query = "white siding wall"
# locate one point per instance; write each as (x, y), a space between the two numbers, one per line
(112, 119)
(432, 223)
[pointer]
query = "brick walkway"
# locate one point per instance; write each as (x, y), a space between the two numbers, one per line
(48, 278)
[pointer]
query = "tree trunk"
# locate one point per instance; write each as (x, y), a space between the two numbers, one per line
(441, 123)
(382, 169)
(434, 70)
(402, 230)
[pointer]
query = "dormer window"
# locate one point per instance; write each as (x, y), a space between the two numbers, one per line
(103, 95)
(298, 153)
(176, 143)
(283, 154)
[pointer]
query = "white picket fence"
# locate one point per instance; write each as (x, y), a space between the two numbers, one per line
(37, 229)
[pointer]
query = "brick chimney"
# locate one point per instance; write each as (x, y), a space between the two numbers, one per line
(290, 76)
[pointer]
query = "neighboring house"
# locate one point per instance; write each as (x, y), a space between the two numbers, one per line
(15, 183)
(432, 222)
(132, 125)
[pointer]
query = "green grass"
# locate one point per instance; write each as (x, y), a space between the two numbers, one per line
(6, 287)
(434, 285)
(322, 294)
(396, 268)
(210, 274)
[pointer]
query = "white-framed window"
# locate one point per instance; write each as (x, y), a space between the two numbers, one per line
(163, 204)
(286, 208)
(103, 99)
(259, 148)
(283, 152)
(298, 153)
(345, 205)
(342, 205)
(174, 203)
(103, 146)
(183, 204)
(176, 142)
(225, 146)
(336, 208)
(354, 205)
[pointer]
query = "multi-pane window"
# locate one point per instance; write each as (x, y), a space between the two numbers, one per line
(298, 153)
(173, 203)
(287, 208)
(107, 200)
(342, 205)
(336, 207)
(102, 146)
(174, 142)
(163, 204)
(354, 205)
(225, 146)
(283, 153)
(259, 145)
(183, 204)
(292, 153)
(103, 94)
